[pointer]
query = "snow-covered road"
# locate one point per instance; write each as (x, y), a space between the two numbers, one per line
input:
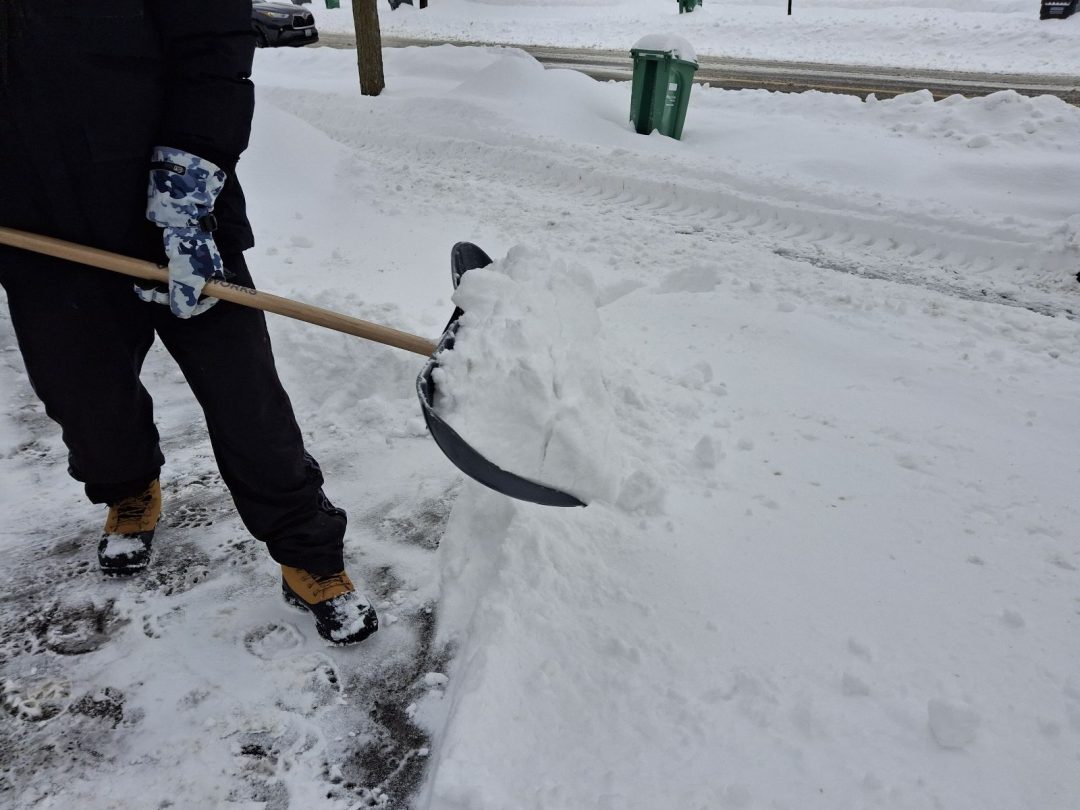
(995, 36)
(788, 77)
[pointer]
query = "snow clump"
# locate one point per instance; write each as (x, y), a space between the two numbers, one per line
(525, 382)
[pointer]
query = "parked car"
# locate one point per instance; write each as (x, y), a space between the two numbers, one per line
(282, 24)
(1056, 8)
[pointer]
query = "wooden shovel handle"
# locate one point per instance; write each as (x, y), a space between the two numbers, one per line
(234, 293)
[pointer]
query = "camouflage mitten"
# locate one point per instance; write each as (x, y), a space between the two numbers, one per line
(183, 188)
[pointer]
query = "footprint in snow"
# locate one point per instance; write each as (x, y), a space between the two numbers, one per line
(272, 640)
(34, 702)
(325, 677)
(155, 625)
(192, 516)
(76, 629)
(952, 726)
(106, 705)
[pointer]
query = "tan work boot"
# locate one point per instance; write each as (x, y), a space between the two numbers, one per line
(125, 546)
(342, 614)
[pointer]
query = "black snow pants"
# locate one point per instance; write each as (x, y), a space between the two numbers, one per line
(84, 335)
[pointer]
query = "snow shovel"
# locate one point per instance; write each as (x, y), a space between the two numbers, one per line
(464, 257)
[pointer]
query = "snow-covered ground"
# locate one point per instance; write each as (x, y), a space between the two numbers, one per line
(1002, 36)
(831, 559)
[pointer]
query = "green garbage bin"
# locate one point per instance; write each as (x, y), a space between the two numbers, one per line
(664, 68)
(337, 3)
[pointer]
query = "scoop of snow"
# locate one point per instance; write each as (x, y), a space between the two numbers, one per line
(524, 384)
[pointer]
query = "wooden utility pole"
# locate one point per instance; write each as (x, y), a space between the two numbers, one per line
(368, 47)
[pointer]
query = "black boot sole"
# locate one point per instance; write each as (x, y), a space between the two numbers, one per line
(371, 620)
(118, 572)
(125, 565)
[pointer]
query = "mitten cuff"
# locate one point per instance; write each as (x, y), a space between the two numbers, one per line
(183, 189)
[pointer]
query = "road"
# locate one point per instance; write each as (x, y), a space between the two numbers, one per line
(793, 77)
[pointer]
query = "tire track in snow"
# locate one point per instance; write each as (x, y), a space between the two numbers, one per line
(985, 259)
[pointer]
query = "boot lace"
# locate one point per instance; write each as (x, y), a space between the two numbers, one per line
(328, 582)
(134, 507)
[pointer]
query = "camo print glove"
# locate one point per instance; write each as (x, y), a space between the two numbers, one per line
(183, 188)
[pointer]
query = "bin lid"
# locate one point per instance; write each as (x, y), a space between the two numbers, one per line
(666, 43)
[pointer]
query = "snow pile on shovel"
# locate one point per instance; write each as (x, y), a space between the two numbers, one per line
(524, 384)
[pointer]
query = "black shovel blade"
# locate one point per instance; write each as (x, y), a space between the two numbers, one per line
(466, 256)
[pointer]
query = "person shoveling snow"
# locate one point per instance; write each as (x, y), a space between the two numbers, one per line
(81, 155)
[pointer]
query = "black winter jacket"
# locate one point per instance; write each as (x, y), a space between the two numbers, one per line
(88, 87)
